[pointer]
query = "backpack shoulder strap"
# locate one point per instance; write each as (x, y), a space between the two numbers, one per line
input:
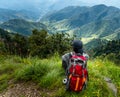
(70, 56)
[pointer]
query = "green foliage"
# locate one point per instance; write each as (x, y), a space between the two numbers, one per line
(13, 43)
(20, 45)
(60, 42)
(3, 84)
(43, 45)
(111, 51)
(50, 79)
(40, 71)
(99, 69)
(4, 36)
(8, 66)
(32, 72)
(40, 44)
(2, 47)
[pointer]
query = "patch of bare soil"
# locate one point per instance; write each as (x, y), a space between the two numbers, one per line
(28, 89)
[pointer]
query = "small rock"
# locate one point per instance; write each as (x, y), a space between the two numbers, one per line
(111, 85)
(107, 79)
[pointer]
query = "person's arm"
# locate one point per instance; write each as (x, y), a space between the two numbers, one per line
(86, 55)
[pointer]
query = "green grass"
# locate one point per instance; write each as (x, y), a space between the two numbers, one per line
(3, 81)
(8, 65)
(98, 69)
(48, 75)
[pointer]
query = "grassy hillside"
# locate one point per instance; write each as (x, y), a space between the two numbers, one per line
(22, 26)
(48, 75)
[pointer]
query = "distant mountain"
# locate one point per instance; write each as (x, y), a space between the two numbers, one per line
(60, 4)
(7, 14)
(40, 6)
(65, 13)
(21, 26)
(99, 21)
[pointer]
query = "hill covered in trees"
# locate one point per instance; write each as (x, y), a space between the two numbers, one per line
(110, 50)
(98, 21)
(22, 26)
(39, 43)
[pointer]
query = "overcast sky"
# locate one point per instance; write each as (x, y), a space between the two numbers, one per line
(35, 3)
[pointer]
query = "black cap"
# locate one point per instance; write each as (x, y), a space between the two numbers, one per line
(77, 46)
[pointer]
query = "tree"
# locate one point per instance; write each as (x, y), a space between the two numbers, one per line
(20, 45)
(38, 43)
(42, 44)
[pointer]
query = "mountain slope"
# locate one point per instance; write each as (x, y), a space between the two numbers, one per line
(7, 14)
(99, 21)
(64, 13)
(101, 28)
(22, 26)
(94, 43)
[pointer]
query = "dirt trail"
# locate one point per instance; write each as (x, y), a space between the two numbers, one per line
(25, 90)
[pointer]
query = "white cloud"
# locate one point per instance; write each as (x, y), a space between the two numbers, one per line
(107, 2)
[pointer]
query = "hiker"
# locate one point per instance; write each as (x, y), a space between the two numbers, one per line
(77, 49)
(75, 65)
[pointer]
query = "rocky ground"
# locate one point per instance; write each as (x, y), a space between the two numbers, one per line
(111, 85)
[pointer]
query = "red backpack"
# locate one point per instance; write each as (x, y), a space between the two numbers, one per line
(77, 74)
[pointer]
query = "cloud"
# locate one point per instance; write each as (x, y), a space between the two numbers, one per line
(19, 4)
(106, 2)
(24, 3)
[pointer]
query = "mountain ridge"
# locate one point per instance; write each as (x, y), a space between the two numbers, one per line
(7, 14)
(101, 18)
(100, 21)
